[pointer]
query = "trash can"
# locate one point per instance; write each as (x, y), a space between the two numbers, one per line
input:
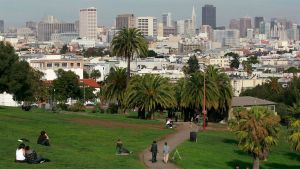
(193, 136)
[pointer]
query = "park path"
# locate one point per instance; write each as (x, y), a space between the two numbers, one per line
(182, 134)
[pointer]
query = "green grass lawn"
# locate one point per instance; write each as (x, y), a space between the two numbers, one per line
(218, 150)
(74, 145)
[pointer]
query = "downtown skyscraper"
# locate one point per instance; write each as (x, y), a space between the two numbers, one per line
(88, 23)
(209, 16)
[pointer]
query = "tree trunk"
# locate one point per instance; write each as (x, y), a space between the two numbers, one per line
(128, 70)
(256, 163)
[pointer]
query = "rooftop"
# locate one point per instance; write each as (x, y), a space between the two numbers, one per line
(249, 101)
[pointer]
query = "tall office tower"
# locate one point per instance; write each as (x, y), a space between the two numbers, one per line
(209, 16)
(257, 21)
(298, 28)
(250, 33)
(207, 30)
(147, 25)
(167, 19)
(194, 20)
(125, 21)
(245, 24)
(234, 24)
(180, 27)
(293, 33)
(1, 26)
(31, 25)
(88, 23)
(219, 36)
(51, 25)
(232, 38)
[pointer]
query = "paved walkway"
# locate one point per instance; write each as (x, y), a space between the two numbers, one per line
(182, 134)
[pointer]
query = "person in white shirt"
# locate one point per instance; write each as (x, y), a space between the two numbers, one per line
(20, 153)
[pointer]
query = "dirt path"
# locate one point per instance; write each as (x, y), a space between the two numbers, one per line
(182, 134)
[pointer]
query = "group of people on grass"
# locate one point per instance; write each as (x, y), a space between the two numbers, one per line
(24, 154)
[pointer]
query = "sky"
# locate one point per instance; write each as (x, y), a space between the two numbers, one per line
(17, 12)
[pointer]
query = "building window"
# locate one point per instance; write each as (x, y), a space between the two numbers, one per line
(78, 64)
(49, 64)
(72, 64)
(64, 64)
(56, 64)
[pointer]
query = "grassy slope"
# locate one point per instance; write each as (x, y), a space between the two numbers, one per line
(73, 145)
(218, 150)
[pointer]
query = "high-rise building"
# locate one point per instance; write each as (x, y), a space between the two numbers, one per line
(147, 25)
(209, 15)
(232, 38)
(245, 24)
(257, 21)
(180, 27)
(51, 25)
(167, 19)
(125, 21)
(1, 26)
(194, 21)
(207, 30)
(88, 23)
(234, 24)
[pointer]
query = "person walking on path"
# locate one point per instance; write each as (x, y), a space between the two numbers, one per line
(166, 151)
(154, 151)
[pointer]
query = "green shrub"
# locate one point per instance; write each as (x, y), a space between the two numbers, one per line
(78, 106)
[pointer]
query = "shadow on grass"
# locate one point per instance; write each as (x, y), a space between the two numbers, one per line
(282, 166)
(241, 153)
(293, 156)
(242, 164)
(132, 116)
(230, 141)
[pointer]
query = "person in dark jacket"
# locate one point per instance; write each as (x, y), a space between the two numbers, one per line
(43, 139)
(31, 157)
(154, 151)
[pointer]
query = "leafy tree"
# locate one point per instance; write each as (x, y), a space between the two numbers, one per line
(234, 62)
(95, 74)
(64, 49)
(252, 60)
(86, 75)
(8, 58)
(292, 70)
(66, 85)
(115, 86)
(152, 53)
(127, 43)
(87, 92)
(25, 83)
(192, 67)
(257, 131)
(148, 92)
(294, 137)
(91, 52)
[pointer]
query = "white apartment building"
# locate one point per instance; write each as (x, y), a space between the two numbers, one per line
(50, 63)
(223, 62)
(88, 23)
(232, 38)
(147, 25)
(239, 85)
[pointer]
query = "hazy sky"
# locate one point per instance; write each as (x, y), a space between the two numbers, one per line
(16, 12)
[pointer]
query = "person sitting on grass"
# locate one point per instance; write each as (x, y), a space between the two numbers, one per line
(120, 149)
(32, 157)
(43, 139)
(20, 153)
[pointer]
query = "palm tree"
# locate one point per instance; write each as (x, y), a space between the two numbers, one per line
(193, 91)
(115, 86)
(257, 131)
(127, 43)
(149, 91)
(273, 84)
(294, 137)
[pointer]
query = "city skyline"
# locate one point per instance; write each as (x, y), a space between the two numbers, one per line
(16, 15)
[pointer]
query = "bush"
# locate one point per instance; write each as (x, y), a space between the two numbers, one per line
(112, 108)
(78, 106)
(62, 106)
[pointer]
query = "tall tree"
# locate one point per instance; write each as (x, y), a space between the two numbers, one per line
(64, 49)
(257, 131)
(127, 43)
(115, 86)
(192, 65)
(95, 74)
(66, 85)
(234, 61)
(8, 58)
(149, 92)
